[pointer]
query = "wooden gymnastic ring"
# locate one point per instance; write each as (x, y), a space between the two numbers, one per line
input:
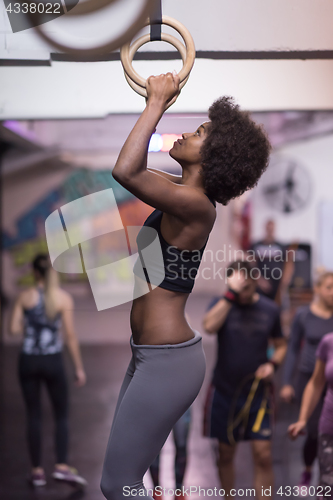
(190, 52)
(145, 39)
(135, 27)
(141, 41)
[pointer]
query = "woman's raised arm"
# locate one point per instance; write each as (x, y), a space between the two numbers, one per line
(131, 167)
(131, 160)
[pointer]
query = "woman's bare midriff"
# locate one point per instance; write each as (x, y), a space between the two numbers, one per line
(158, 318)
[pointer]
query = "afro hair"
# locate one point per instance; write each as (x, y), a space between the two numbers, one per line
(235, 153)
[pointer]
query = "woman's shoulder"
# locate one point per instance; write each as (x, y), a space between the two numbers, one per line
(325, 347)
(65, 299)
(28, 297)
(205, 212)
(301, 314)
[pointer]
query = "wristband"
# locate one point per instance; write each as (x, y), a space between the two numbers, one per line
(231, 296)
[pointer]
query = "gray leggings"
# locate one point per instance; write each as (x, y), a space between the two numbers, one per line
(161, 382)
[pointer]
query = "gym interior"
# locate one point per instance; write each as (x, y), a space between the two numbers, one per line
(66, 110)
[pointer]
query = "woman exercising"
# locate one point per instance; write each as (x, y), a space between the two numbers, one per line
(322, 375)
(310, 325)
(38, 313)
(220, 160)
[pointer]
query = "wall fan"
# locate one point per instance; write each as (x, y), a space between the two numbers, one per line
(286, 185)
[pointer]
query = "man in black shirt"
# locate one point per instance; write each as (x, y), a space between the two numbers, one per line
(238, 404)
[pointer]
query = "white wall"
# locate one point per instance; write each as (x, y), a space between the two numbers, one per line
(326, 234)
(316, 156)
(90, 90)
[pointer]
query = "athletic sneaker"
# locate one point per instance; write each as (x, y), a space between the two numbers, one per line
(69, 475)
(305, 480)
(37, 479)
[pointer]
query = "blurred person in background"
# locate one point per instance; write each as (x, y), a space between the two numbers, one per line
(270, 259)
(313, 392)
(239, 401)
(309, 326)
(38, 313)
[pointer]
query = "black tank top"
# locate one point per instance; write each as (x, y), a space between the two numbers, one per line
(180, 267)
(41, 335)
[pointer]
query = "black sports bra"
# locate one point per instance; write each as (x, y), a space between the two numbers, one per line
(180, 267)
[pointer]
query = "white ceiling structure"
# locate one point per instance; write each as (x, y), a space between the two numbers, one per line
(270, 55)
(237, 25)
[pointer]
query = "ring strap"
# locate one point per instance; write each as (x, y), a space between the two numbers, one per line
(156, 23)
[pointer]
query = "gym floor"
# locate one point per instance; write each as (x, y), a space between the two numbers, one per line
(91, 415)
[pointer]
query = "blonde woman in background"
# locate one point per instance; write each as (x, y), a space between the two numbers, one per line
(310, 324)
(322, 375)
(38, 314)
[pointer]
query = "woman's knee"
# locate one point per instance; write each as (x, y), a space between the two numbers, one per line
(113, 489)
(109, 488)
(106, 490)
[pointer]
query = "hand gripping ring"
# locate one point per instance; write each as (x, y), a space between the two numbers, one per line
(141, 41)
(84, 8)
(187, 52)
